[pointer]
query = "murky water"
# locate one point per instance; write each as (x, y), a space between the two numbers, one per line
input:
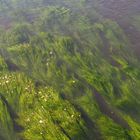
(120, 8)
(120, 11)
(123, 11)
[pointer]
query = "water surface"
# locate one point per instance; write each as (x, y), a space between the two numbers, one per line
(124, 12)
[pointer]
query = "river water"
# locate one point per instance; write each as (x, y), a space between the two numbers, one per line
(124, 13)
(121, 11)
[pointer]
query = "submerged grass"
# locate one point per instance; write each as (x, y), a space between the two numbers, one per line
(67, 75)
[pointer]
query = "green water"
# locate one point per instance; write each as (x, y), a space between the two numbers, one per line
(69, 70)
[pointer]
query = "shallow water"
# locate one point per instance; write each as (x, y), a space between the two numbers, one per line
(120, 8)
(123, 12)
(89, 68)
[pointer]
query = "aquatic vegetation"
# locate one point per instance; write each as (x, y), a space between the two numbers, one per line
(66, 73)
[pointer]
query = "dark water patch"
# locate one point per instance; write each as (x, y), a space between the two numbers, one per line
(104, 106)
(90, 124)
(11, 66)
(13, 115)
(115, 63)
(106, 50)
(39, 84)
(109, 111)
(57, 123)
(106, 45)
